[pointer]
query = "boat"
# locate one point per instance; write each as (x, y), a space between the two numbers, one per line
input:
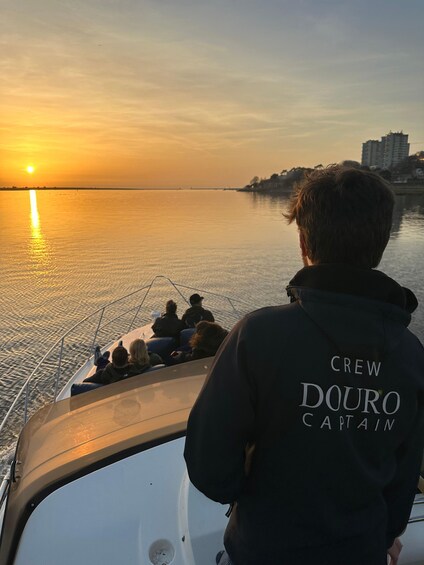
(116, 436)
(99, 478)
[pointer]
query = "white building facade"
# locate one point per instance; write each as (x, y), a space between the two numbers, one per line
(386, 153)
(371, 153)
(395, 147)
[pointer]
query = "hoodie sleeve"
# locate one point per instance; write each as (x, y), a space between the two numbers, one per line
(221, 424)
(400, 493)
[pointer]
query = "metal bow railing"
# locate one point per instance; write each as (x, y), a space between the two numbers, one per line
(104, 326)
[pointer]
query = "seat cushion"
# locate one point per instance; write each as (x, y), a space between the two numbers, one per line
(185, 336)
(162, 346)
(78, 388)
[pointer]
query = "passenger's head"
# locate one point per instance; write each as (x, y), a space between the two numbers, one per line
(171, 307)
(120, 356)
(138, 352)
(208, 336)
(344, 215)
(196, 299)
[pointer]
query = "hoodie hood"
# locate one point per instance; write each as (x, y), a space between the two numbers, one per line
(346, 279)
(345, 301)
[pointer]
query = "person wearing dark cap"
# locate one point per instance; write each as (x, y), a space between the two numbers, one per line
(196, 313)
(118, 370)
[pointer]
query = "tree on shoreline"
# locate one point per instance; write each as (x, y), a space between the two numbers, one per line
(411, 167)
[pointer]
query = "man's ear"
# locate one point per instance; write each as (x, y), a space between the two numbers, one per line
(302, 243)
(304, 250)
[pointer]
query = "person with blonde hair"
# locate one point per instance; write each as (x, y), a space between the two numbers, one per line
(140, 359)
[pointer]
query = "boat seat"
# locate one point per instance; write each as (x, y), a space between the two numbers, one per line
(155, 368)
(163, 346)
(185, 336)
(78, 388)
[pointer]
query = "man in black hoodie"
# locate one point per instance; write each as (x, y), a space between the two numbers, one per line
(311, 420)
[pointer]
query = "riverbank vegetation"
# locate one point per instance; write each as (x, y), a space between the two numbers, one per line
(408, 173)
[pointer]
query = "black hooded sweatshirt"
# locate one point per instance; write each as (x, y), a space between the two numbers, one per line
(326, 394)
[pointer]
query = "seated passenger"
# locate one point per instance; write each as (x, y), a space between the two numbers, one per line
(118, 370)
(204, 342)
(196, 313)
(168, 325)
(140, 359)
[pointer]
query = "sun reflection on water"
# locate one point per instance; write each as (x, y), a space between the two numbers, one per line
(38, 246)
(35, 217)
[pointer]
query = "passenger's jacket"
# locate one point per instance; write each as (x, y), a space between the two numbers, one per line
(138, 368)
(327, 394)
(196, 314)
(111, 374)
(168, 325)
(155, 359)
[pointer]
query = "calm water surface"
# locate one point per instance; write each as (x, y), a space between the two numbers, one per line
(66, 253)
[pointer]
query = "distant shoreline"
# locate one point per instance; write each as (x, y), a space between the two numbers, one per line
(42, 188)
(398, 189)
(403, 190)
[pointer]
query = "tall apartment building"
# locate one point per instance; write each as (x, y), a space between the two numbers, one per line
(394, 148)
(386, 153)
(371, 153)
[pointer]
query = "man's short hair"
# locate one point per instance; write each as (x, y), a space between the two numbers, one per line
(195, 299)
(344, 215)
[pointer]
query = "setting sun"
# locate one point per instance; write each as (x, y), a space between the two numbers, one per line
(30, 169)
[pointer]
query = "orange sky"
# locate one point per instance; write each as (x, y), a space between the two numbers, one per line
(193, 93)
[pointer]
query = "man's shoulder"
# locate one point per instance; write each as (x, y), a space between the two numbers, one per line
(269, 315)
(267, 312)
(190, 309)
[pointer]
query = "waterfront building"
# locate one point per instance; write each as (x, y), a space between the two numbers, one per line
(394, 148)
(371, 153)
(388, 152)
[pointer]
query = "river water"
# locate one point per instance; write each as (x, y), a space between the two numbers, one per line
(65, 253)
